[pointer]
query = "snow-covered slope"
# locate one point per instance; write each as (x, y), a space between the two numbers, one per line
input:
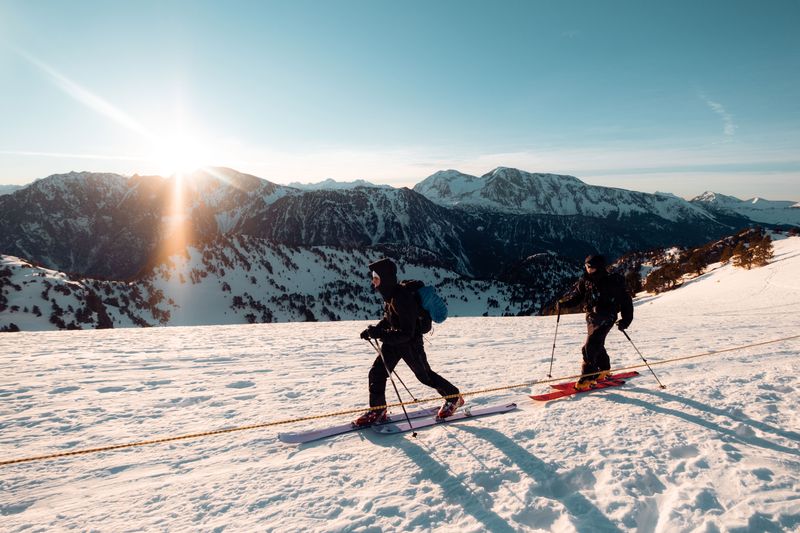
(515, 191)
(755, 209)
(243, 280)
(717, 450)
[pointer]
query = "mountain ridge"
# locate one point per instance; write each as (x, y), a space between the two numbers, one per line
(109, 226)
(514, 191)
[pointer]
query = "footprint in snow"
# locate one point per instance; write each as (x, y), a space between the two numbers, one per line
(63, 390)
(117, 469)
(4, 393)
(706, 500)
(240, 384)
(764, 474)
(6, 510)
(104, 390)
(732, 452)
(684, 452)
(158, 382)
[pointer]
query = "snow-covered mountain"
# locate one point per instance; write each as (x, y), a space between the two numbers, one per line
(364, 217)
(110, 226)
(331, 184)
(8, 189)
(755, 209)
(514, 191)
(244, 280)
(79, 222)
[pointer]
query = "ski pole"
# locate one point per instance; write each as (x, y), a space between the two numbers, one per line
(643, 359)
(553, 353)
(395, 372)
(389, 374)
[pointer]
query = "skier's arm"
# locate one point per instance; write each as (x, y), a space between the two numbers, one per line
(575, 296)
(378, 330)
(625, 307)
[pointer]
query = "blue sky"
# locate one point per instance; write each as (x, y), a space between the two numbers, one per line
(679, 96)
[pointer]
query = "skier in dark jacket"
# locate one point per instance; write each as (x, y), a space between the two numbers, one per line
(603, 295)
(402, 339)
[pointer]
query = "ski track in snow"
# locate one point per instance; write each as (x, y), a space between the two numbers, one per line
(717, 450)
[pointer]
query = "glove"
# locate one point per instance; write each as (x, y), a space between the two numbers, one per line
(371, 332)
(623, 324)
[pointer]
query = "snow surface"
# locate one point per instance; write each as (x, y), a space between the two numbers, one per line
(717, 450)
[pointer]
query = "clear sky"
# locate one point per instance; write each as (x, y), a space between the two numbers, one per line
(678, 96)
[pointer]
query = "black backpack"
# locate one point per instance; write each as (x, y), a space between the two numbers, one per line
(432, 308)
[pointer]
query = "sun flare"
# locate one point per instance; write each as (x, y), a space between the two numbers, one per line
(180, 154)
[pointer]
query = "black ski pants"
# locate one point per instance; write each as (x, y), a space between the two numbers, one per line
(417, 360)
(595, 356)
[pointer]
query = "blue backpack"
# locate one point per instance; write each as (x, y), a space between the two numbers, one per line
(433, 303)
(432, 308)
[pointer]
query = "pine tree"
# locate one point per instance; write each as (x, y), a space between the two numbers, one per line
(633, 282)
(726, 254)
(663, 279)
(741, 256)
(697, 263)
(763, 251)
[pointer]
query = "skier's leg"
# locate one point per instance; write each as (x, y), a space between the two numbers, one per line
(604, 361)
(417, 360)
(378, 375)
(588, 366)
(595, 357)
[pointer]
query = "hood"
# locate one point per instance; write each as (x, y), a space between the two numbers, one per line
(387, 271)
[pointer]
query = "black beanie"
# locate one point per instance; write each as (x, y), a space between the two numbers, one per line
(596, 260)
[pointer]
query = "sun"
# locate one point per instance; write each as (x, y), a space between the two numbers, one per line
(180, 153)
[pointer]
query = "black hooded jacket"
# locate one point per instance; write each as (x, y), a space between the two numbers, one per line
(400, 310)
(602, 295)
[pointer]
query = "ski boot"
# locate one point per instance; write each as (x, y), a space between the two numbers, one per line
(450, 407)
(584, 384)
(373, 416)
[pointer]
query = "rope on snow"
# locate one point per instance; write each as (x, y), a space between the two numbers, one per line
(353, 411)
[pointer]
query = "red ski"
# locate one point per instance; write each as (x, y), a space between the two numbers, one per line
(612, 377)
(568, 389)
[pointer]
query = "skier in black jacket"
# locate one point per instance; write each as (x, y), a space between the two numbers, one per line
(402, 339)
(602, 295)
